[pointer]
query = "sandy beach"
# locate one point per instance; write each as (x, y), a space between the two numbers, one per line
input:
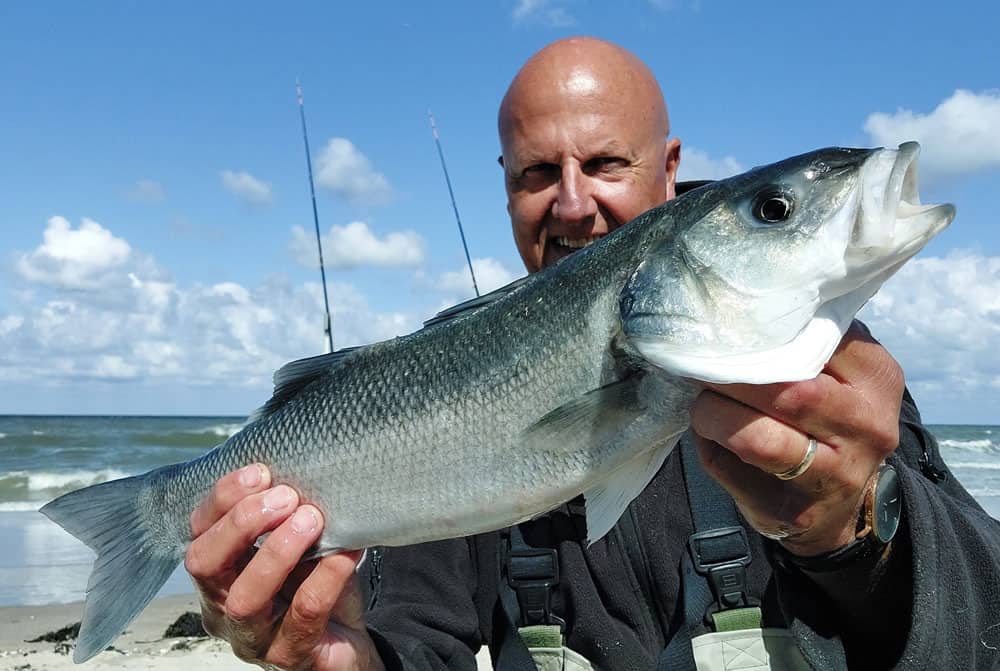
(142, 646)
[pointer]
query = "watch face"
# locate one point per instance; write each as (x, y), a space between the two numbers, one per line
(888, 504)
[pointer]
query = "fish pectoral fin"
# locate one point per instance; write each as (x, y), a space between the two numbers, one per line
(595, 417)
(606, 501)
(294, 376)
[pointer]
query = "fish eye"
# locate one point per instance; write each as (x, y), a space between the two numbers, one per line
(772, 206)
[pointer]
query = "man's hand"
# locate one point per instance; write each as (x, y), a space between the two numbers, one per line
(272, 609)
(747, 433)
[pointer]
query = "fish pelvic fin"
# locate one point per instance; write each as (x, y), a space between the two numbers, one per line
(133, 559)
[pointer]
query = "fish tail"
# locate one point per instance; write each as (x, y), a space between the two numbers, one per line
(134, 559)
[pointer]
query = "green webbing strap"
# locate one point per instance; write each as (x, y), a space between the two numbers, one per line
(736, 619)
(541, 636)
(713, 570)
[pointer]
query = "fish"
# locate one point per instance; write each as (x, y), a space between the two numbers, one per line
(576, 380)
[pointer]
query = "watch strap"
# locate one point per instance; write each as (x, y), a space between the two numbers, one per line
(835, 560)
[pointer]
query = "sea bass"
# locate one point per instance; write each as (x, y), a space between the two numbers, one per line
(575, 380)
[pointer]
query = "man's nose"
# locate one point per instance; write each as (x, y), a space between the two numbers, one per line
(575, 201)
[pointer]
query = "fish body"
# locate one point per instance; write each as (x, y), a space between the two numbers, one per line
(575, 380)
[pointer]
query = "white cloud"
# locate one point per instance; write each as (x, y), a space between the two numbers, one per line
(548, 12)
(147, 191)
(490, 274)
(347, 172)
(355, 245)
(697, 164)
(248, 188)
(86, 258)
(141, 326)
(224, 333)
(10, 323)
(940, 318)
(961, 135)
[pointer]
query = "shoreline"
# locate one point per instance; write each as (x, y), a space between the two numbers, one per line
(141, 646)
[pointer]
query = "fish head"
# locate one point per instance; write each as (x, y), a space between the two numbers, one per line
(756, 278)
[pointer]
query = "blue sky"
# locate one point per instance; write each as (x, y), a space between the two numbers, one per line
(153, 174)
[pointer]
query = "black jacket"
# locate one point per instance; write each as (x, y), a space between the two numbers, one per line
(437, 603)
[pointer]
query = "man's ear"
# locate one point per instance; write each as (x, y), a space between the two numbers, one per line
(673, 161)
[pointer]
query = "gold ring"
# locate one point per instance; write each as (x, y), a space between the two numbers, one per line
(802, 466)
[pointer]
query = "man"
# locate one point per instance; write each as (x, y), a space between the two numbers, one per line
(584, 133)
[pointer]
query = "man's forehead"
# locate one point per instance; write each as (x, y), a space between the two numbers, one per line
(579, 146)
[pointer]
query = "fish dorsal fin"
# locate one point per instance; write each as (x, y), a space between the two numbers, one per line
(291, 378)
(475, 304)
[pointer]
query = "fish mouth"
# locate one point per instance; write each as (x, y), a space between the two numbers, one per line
(891, 214)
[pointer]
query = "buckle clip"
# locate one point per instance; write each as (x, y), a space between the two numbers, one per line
(533, 573)
(723, 555)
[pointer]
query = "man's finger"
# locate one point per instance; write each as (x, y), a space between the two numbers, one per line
(756, 439)
(329, 592)
(787, 511)
(254, 590)
(226, 543)
(227, 492)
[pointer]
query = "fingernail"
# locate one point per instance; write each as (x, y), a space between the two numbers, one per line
(250, 476)
(278, 498)
(304, 520)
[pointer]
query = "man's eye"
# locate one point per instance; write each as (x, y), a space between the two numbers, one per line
(604, 164)
(541, 169)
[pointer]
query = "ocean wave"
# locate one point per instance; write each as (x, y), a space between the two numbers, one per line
(40, 486)
(225, 430)
(976, 465)
(20, 506)
(981, 445)
(2, 436)
(983, 492)
(209, 436)
(34, 439)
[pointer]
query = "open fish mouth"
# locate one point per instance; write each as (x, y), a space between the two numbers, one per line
(891, 214)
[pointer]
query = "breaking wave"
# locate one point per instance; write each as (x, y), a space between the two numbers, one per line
(37, 487)
(203, 437)
(979, 445)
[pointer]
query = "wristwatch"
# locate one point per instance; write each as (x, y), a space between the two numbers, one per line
(883, 506)
(877, 526)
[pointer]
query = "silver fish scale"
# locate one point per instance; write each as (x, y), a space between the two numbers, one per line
(421, 437)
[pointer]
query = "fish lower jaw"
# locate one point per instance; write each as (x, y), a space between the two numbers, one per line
(798, 359)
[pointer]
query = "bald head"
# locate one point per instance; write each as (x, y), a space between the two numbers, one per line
(584, 134)
(589, 72)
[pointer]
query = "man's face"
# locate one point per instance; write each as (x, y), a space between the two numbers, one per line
(578, 167)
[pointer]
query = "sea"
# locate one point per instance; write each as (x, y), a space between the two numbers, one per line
(42, 457)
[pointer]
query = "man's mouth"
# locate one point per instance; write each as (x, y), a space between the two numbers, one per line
(577, 243)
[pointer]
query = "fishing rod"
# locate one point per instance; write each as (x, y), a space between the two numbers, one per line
(312, 192)
(437, 141)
